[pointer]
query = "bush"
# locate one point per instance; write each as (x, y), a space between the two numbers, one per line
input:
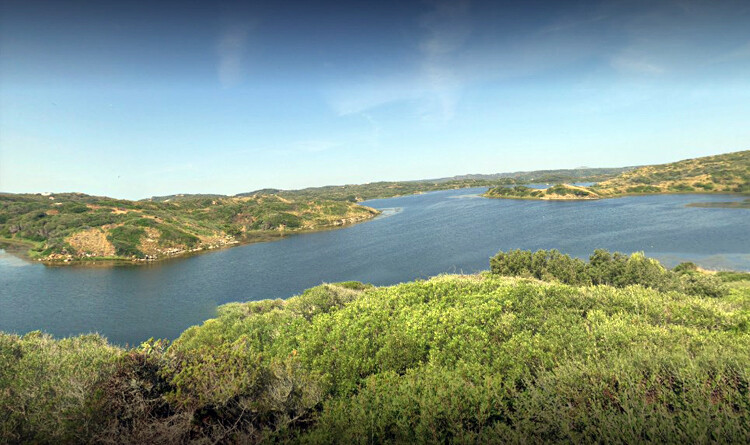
(170, 236)
(126, 239)
(324, 299)
(643, 189)
(45, 385)
(128, 405)
(686, 268)
(605, 268)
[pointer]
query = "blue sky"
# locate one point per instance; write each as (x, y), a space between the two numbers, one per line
(134, 99)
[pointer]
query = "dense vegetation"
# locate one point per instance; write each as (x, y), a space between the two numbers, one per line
(604, 268)
(484, 358)
(75, 226)
(727, 173)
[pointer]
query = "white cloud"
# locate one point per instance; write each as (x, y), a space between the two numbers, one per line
(231, 50)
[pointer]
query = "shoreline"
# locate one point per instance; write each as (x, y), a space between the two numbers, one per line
(21, 249)
(623, 195)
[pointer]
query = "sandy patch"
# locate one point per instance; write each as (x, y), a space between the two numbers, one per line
(92, 242)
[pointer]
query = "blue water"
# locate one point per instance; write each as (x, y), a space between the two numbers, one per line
(418, 236)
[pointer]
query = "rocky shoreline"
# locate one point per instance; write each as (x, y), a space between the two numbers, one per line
(161, 254)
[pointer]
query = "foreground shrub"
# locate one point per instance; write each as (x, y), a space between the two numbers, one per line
(45, 385)
(453, 359)
(604, 268)
(128, 404)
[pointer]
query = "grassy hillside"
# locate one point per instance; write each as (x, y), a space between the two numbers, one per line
(556, 192)
(652, 356)
(727, 173)
(72, 226)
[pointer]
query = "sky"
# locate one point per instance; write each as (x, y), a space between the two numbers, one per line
(136, 99)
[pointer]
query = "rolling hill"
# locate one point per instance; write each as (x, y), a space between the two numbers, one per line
(73, 226)
(725, 173)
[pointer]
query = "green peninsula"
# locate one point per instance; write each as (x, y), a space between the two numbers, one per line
(70, 227)
(726, 173)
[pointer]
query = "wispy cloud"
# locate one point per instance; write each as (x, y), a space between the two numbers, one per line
(359, 96)
(433, 83)
(458, 48)
(635, 65)
(231, 50)
(447, 27)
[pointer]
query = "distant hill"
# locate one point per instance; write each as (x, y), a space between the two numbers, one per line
(388, 189)
(265, 191)
(73, 226)
(546, 176)
(183, 197)
(726, 173)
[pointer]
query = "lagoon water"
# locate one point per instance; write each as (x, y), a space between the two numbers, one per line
(417, 237)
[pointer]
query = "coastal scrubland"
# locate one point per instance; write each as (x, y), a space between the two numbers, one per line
(541, 348)
(72, 226)
(725, 173)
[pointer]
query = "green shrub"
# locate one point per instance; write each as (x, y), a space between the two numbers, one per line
(171, 236)
(126, 239)
(604, 268)
(681, 188)
(643, 188)
(704, 186)
(454, 359)
(687, 267)
(733, 276)
(276, 220)
(45, 385)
